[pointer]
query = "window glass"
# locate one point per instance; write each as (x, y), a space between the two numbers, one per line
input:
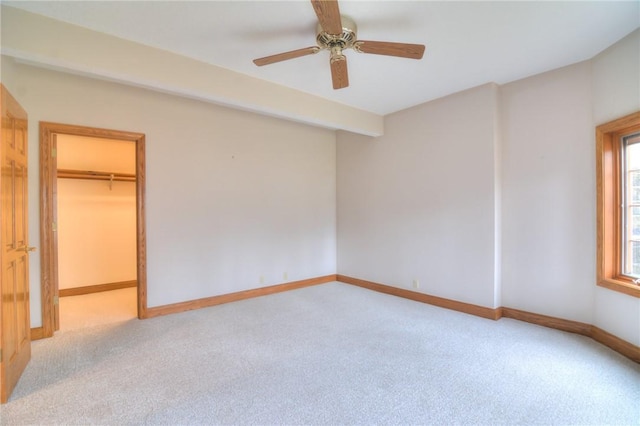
(631, 212)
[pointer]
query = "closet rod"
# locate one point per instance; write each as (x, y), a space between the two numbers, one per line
(91, 175)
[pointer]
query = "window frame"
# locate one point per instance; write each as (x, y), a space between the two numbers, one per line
(609, 200)
(628, 140)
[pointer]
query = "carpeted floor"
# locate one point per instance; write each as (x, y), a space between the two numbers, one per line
(328, 354)
(88, 310)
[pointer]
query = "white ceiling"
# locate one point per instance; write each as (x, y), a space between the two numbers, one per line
(468, 43)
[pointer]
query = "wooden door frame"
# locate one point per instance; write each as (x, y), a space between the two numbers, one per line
(48, 217)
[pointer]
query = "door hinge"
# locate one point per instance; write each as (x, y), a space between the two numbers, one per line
(56, 300)
(0, 355)
(54, 226)
(54, 152)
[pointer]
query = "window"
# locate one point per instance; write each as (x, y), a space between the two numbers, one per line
(631, 212)
(618, 204)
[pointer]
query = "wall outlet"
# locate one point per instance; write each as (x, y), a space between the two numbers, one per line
(285, 276)
(261, 279)
(416, 284)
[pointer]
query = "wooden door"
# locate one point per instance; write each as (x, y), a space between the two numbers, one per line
(15, 351)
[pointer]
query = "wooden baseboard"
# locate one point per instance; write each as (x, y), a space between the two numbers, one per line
(467, 308)
(547, 321)
(233, 297)
(76, 291)
(619, 345)
(37, 333)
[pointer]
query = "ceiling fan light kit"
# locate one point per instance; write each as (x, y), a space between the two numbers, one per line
(337, 33)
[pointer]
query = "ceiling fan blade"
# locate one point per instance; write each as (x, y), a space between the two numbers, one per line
(328, 14)
(403, 50)
(286, 56)
(339, 75)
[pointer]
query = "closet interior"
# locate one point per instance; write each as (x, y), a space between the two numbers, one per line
(96, 226)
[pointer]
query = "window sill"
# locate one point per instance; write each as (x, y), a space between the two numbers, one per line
(621, 286)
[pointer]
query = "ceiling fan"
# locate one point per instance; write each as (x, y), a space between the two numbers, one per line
(336, 33)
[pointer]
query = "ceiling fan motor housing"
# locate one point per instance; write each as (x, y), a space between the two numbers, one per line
(345, 40)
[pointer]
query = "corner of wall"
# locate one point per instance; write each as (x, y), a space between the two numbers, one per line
(615, 82)
(497, 179)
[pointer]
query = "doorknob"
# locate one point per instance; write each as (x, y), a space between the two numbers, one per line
(27, 249)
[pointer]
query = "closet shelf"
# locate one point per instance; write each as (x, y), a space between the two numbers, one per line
(91, 175)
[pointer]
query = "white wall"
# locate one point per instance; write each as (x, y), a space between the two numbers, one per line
(400, 199)
(95, 154)
(549, 194)
(96, 232)
(616, 80)
(419, 202)
(616, 93)
(231, 196)
(96, 219)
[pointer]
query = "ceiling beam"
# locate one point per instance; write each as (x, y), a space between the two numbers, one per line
(53, 44)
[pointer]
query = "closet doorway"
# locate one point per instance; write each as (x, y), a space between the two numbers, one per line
(92, 226)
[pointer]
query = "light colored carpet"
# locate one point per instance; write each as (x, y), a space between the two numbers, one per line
(329, 354)
(106, 307)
